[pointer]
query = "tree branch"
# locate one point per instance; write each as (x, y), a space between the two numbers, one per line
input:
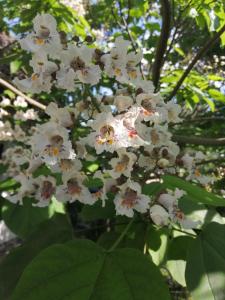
(215, 160)
(199, 54)
(18, 92)
(195, 140)
(162, 43)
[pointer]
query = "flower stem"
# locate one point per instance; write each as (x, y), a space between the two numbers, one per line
(120, 238)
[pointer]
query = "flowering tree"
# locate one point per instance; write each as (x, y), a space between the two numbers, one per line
(98, 182)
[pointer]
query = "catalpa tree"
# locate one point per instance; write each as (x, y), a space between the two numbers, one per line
(112, 150)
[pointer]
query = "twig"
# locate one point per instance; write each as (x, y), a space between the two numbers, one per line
(198, 140)
(126, 27)
(162, 43)
(18, 92)
(215, 160)
(204, 119)
(200, 53)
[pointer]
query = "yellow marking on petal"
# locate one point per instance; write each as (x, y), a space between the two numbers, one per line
(34, 77)
(197, 173)
(118, 71)
(133, 74)
(110, 141)
(39, 41)
(55, 151)
(120, 167)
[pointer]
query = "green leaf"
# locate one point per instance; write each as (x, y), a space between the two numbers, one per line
(196, 193)
(23, 219)
(205, 271)
(135, 237)
(152, 189)
(199, 212)
(84, 271)
(8, 184)
(217, 95)
(179, 51)
(96, 211)
(157, 240)
(176, 258)
(55, 230)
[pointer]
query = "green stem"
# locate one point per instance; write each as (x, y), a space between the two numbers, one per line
(120, 238)
(188, 233)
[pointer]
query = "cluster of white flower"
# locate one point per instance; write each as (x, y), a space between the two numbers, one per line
(126, 135)
(166, 210)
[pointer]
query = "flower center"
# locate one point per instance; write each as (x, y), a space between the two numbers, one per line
(56, 140)
(130, 198)
(47, 190)
(77, 64)
(107, 135)
(179, 215)
(65, 164)
(44, 32)
(117, 71)
(122, 165)
(154, 137)
(147, 107)
(73, 187)
(39, 41)
(34, 76)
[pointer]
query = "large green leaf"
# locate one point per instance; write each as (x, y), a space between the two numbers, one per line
(23, 219)
(176, 257)
(82, 270)
(205, 271)
(55, 230)
(157, 240)
(195, 192)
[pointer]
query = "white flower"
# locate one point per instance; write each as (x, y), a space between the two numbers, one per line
(195, 174)
(19, 134)
(170, 199)
(147, 162)
(30, 114)
(41, 79)
(146, 85)
(20, 102)
(123, 102)
(130, 72)
(51, 143)
(59, 115)
(173, 111)
(73, 189)
(27, 188)
(123, 165)
(6, 131)
(115, 62)
(193, 13)
(44, 38)
(134, 139)
(109, 133)
(188, 161)
(151, 107)
(17, 155)
(77, 64)
(45, 189)
(159, 215)
(177, 216)
(67, 165)
(3, 113)
(5, 102)
(129, 198)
